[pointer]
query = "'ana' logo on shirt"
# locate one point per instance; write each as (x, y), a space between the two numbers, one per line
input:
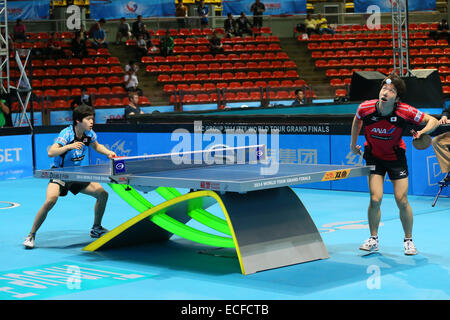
(383, 130)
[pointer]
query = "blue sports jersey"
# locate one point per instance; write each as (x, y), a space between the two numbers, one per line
(73, 157)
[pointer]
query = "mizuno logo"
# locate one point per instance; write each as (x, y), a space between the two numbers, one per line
(382, 130)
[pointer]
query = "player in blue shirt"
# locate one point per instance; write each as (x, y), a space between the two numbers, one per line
(69, 150)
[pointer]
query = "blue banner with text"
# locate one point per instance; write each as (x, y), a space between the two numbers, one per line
(386, 5)
(131, 9)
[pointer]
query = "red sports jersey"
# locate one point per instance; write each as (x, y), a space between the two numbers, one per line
(384, 133)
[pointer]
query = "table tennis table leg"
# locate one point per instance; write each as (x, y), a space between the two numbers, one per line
(272, 229)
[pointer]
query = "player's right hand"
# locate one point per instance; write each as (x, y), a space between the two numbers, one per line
(355, 149)
(76, 145)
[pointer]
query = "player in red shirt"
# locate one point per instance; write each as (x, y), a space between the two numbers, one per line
(384, 120)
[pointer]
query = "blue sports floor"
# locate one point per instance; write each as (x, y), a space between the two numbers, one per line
(58, 269)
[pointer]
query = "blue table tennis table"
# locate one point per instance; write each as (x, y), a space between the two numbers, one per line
(266, 222)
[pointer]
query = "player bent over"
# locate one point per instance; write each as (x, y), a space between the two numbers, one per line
(69, 150)
(384, 119)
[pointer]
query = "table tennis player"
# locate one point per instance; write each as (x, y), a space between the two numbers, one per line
(69, 149)
(384, 119)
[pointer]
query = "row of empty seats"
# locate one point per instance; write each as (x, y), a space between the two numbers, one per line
(226, 66)
(358, 36)
(233, 96)
(356, 28)
(227, 76)
(233, 86)
(66, 72)
(385, 44)
(98, 61)
(62, 104)
(372, 62)
(203, 41)
(190, 49)
(242, 57)
(118, 102)
(76, 82)
(378, 53)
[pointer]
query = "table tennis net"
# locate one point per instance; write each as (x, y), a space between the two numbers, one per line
(191, 159)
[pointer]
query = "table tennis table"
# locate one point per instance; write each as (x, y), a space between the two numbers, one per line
(266, 222)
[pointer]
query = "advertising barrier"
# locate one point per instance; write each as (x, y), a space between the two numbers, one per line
(15, 157)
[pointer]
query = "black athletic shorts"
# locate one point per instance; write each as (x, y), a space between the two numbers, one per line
(66, 186)
(396, 169)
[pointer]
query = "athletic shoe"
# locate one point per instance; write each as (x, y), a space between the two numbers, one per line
(410, 248)
(98, 231)
(370, 244)
(29, 242)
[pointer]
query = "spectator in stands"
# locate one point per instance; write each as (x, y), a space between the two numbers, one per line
(136, 27)
(131, 81)
(54, 49)
(166, 45)
(5, 114)
(442, 31)
(19, 31)
(258, 9)
(299, 98)
(82, 32)
(146, 36)
(322, 25)
(243, 25)
(132, 108)
(215, 44)
(84, 98)
(95, 26)
(202, 11)
(78, 47)
(142, 48)
(181, 12)
(311, 25)
(132, 65)
(230, 26)
(123, 30)
(99, 36)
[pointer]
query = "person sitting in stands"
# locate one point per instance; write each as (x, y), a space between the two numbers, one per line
(131, 82)
(310, 24)
(84, 98)
(99, 36)
(78, 47)
(243, 25)
(166, 45)
(132, 65)
(136, 27)
(299, 98)
(230, 26)
(123, 30)
(322, 25)
(215, 45)
(441, 32)
(141, 49)
(19, 30)
(146, 36)
(132, 108)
